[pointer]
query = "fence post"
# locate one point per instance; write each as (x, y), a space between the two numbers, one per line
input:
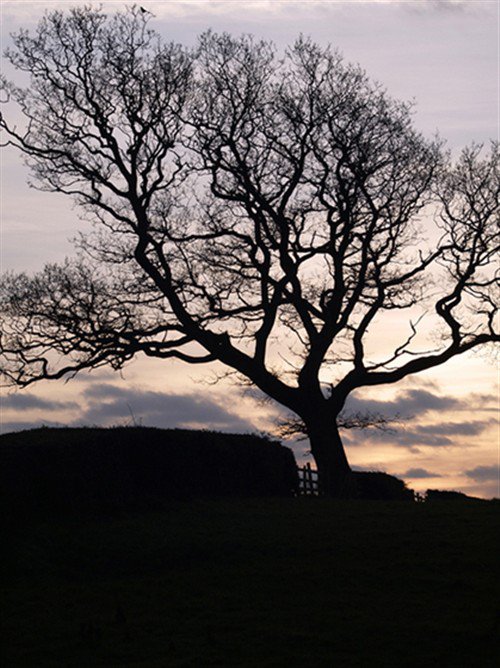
(308, 479)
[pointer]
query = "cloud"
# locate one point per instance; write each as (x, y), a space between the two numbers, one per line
(409, 403)
(421, 435)
(108, 402)
(417, 402)
(107, 390)
(411, 406)
(446, 5)
(432, 6)
(484, 473)
(487, 403)
(399, 437)
(455, 428)
(20, 402)
(419, 473)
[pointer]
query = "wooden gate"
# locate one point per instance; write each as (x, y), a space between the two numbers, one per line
(309, 484)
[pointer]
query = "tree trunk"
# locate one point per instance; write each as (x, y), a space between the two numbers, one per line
(335, 474)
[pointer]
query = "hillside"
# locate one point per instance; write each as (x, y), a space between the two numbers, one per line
(254, 583)
(109, 560)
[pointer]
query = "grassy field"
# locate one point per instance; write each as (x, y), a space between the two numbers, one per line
(254, 583)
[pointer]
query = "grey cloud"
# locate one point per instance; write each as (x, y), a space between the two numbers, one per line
(91, 376)
(409, 438)
(483, 473)
(106, 390)
(455, 428)
(110, 402)
(484, 490)
(406, 438)
(408, 403)
(414, 403)
(487, 403)
(433, 5)
(20, 402)
(419, 473)
(432, 435)
(447, 5)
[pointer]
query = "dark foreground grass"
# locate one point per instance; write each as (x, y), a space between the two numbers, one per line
(255, 583)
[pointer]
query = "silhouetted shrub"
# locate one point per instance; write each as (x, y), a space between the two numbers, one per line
(131, 467)
(375, 485)
(446, 495)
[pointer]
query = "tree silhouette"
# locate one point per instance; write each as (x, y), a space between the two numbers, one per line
(258, 211)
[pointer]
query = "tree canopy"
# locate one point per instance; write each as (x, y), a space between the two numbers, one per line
(258, 209)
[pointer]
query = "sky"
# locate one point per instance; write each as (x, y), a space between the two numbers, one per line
(444, 54)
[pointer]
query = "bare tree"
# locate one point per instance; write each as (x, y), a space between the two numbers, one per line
(260, 211)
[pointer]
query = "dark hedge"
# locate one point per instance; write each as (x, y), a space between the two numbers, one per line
(128, 467)
(375, 485)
